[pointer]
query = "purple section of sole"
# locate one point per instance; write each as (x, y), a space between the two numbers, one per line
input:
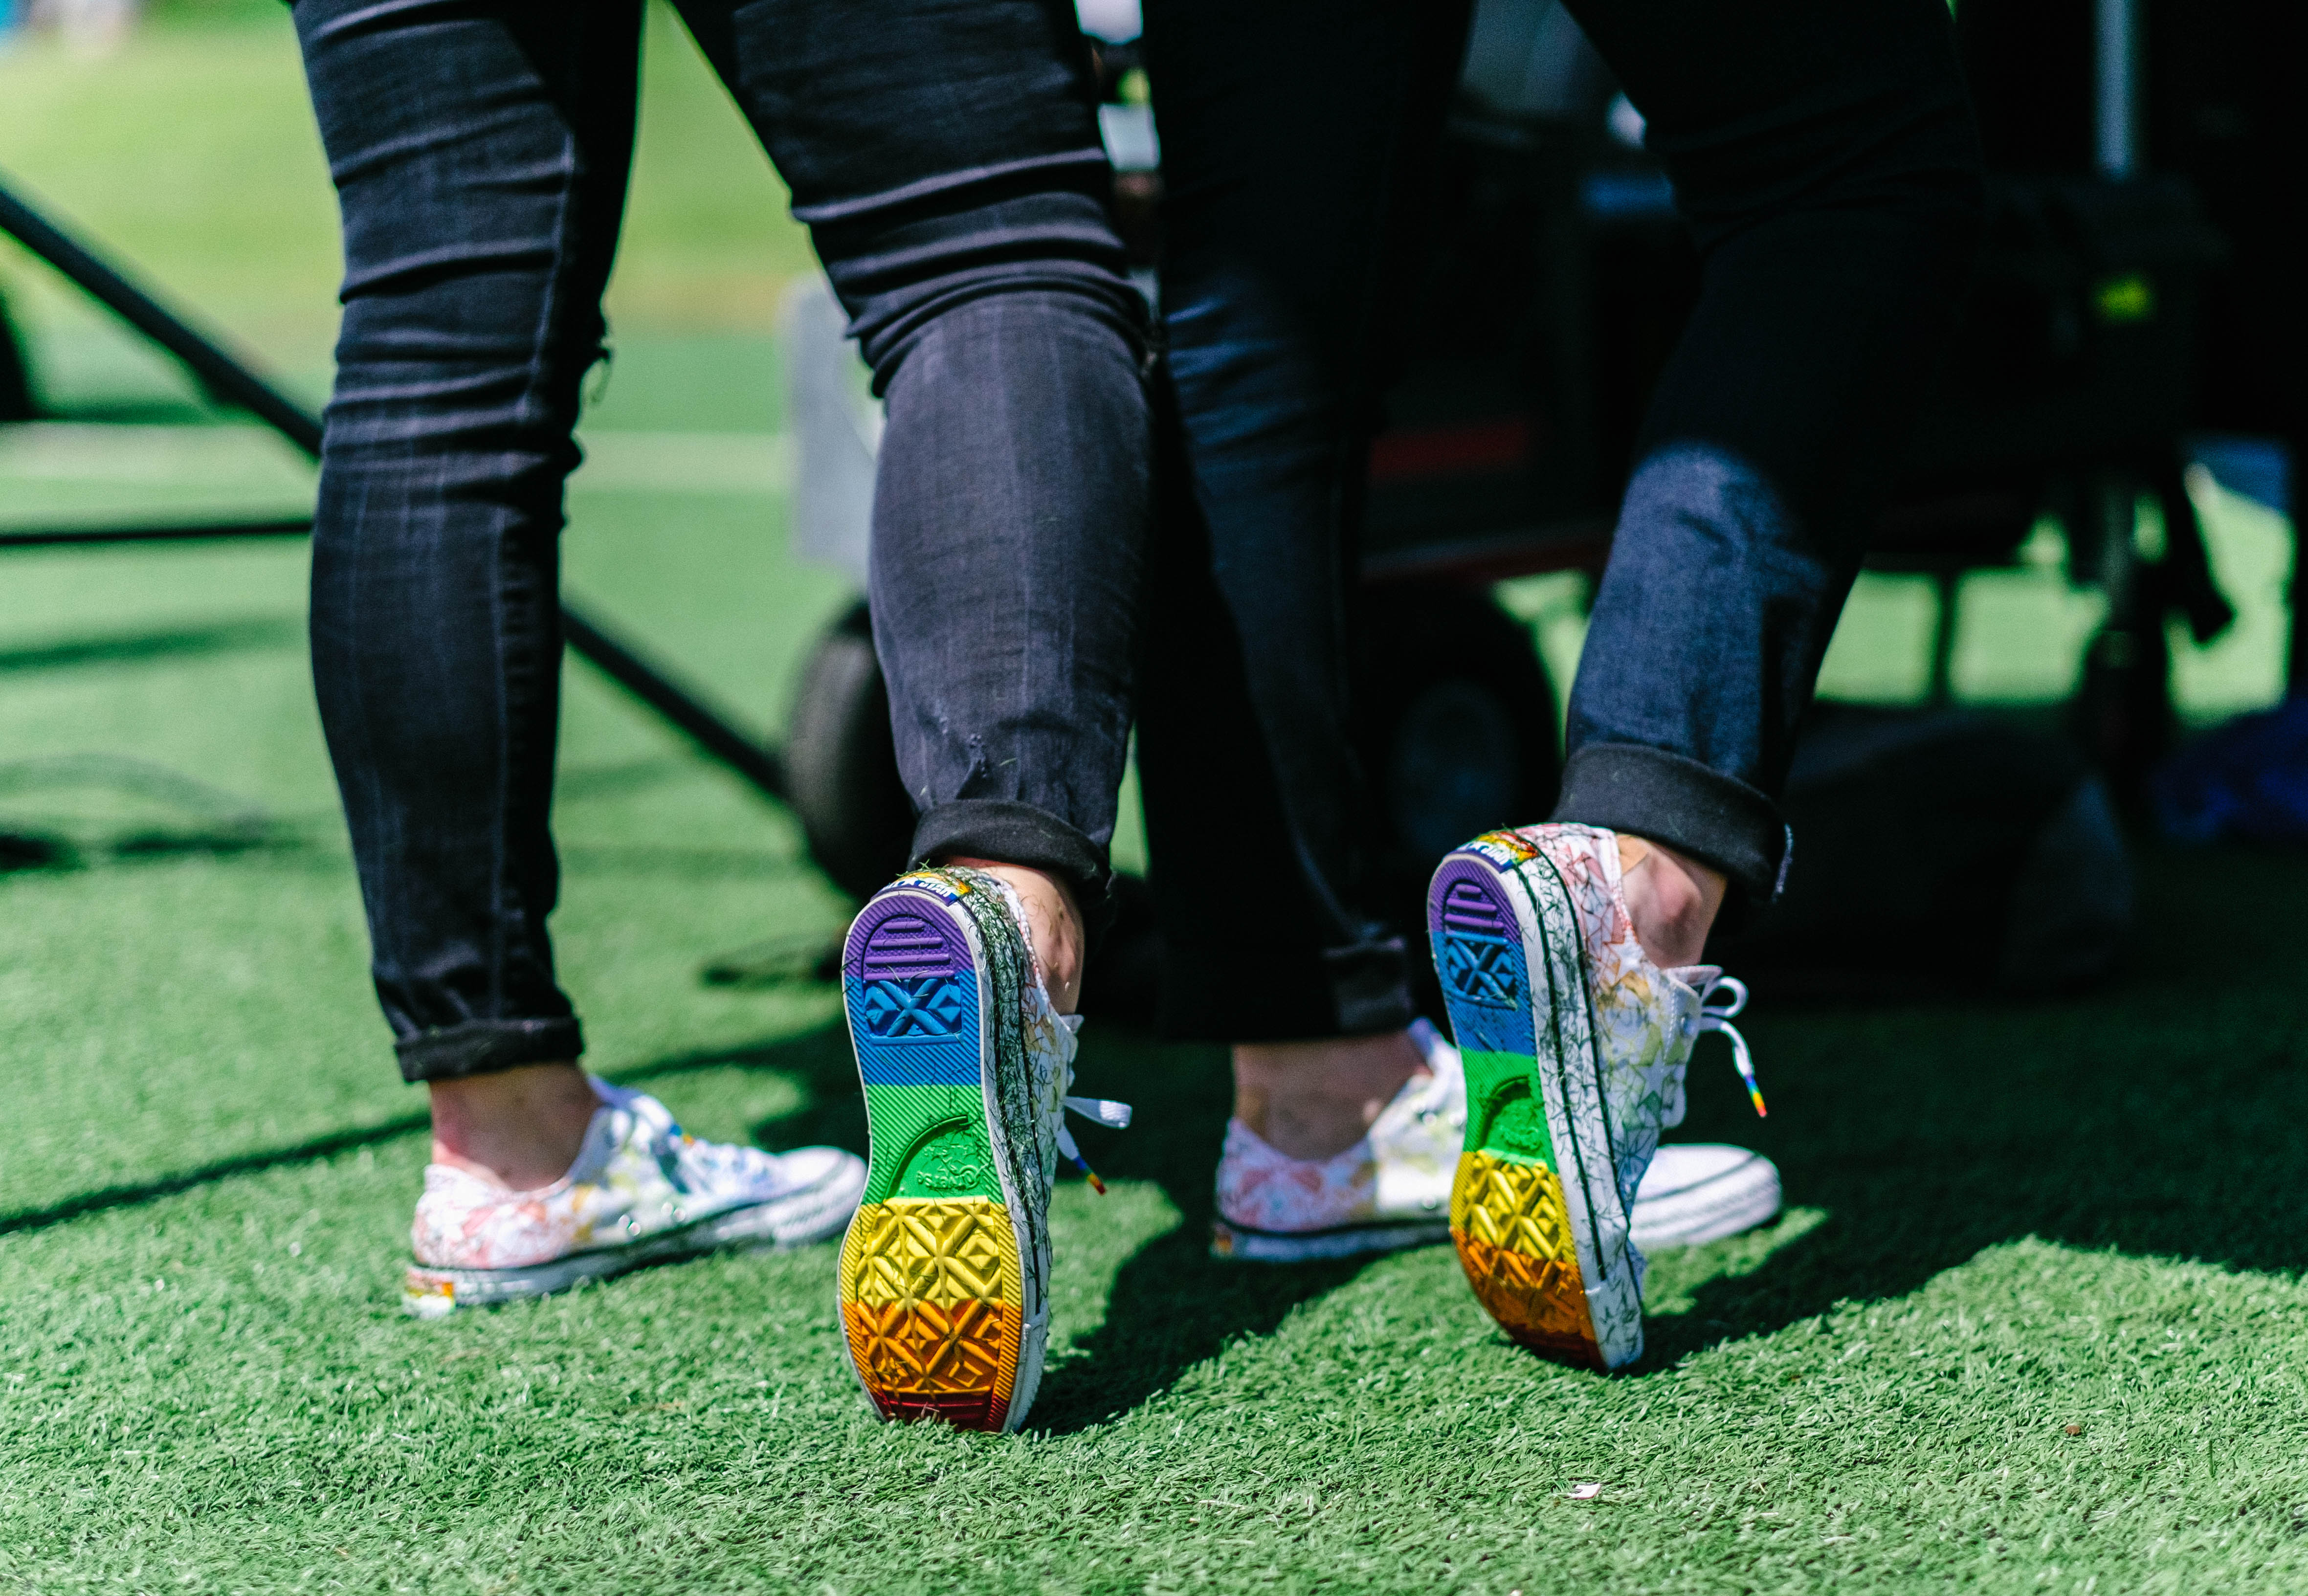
(1479, 956)
(904, 936)
(1465, 902)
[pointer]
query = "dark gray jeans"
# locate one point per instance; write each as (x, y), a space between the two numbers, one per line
(946, 156)
(1823, 155)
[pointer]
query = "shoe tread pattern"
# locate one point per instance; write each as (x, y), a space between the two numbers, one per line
(1513, 1223)
(936, 1304)
(932, 1308)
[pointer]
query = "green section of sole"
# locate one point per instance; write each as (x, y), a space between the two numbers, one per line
(1505, 1117)
(929, 1142)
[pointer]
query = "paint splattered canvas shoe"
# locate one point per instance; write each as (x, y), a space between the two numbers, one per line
(1575, 1046)
(642, 1191)
(1703, 1191)
(1390, 1190)
(945, 1271)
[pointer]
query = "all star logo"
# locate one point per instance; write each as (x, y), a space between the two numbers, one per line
(951, 1165)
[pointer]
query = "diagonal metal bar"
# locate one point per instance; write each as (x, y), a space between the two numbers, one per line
(229, 380)
(223, 375)
(189, 533)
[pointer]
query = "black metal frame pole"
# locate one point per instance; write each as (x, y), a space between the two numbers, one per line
(225, 378)
(68, 537)
(229, 380)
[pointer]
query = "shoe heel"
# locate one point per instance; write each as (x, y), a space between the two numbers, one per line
(1509, 1218)
(930, 1274)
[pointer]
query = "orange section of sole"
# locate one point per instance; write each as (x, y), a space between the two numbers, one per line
(1537, 1301)
(957, 1361)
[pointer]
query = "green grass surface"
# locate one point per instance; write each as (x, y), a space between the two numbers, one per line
(2009, 1222)
(191, 156)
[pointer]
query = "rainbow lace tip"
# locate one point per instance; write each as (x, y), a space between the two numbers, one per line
(1089, 1174)
(1755, 1096)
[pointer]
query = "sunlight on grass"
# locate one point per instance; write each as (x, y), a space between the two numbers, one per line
(2036, 1324)
(238, 223)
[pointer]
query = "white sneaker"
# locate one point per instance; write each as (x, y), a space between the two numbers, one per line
(1575, 1046)
(1390, 1190)
(642, 1191)
(945, 1273)
(1701, 1191)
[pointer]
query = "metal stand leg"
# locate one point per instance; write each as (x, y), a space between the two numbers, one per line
(231, 381)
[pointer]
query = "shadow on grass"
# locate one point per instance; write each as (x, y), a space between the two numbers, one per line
(169, 1185)
(2166, 1115)
(120, 648)
(1172, 1305)
(778, 1053)
(2163, 1116)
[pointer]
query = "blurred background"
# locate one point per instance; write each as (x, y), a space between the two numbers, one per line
(180, 911)
(2088, 564)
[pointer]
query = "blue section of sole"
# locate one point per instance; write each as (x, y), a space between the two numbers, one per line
(911, 986)
(1479, 957)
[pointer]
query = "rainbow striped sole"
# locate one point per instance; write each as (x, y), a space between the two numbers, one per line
(1534, 1208)
(941, 1293)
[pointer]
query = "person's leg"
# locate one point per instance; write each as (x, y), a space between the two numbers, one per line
(480, 158)
(946, 156)
(946, 159)
(1823, 155)
(1293, 137)
(481, 154)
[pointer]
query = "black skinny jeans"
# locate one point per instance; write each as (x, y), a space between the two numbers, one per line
(946, 156)
(1823, 157)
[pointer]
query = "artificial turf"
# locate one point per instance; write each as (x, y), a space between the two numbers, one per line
(2034, 1321)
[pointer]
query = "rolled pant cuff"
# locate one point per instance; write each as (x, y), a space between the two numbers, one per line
(1717, 819)
(1009, 832)
(484, 1047)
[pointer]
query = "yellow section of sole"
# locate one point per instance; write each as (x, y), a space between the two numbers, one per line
(1513, 1237)
(935, 1252)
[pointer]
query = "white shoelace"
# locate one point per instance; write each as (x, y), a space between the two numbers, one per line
(1101, 1111)
(1720, 1019)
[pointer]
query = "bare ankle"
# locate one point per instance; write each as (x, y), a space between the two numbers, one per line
(1315, 1100)
(522, 1128)
(1672, 898)
(1055, 922)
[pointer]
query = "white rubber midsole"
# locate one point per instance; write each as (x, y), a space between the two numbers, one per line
(1347, 1241)
(797, 1219)
(1569, 1078)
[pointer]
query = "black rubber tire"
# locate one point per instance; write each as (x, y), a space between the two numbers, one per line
(1458, 735)
(841, 778)
(842, 761)
(1458, 732)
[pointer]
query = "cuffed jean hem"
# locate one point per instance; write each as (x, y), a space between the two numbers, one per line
(1010, 833)
(1237, 995)
(1717, 819)
(484, 1047)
